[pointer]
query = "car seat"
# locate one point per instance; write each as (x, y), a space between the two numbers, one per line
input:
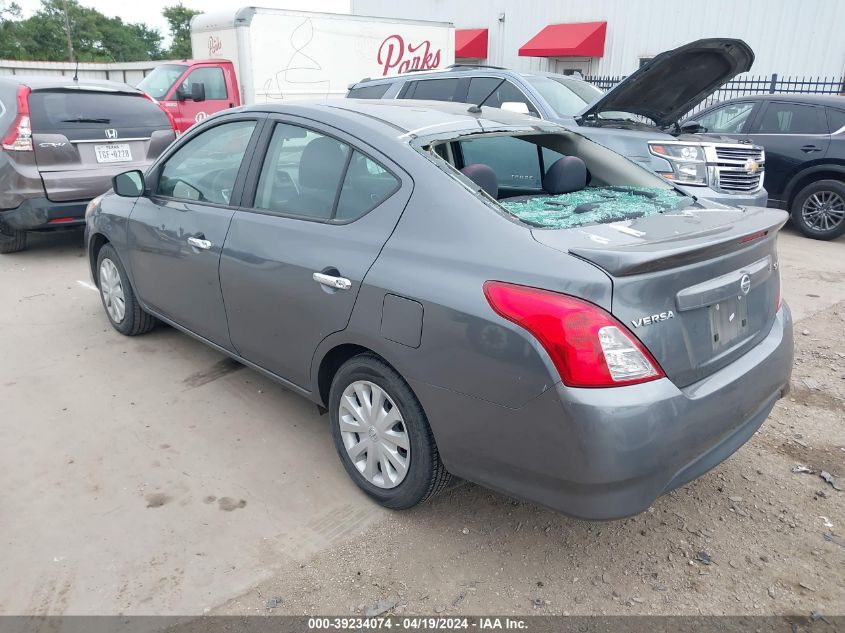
(483, 176)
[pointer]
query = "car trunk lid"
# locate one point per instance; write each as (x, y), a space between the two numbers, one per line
(675, 81)
(699, 288)
(82, 137)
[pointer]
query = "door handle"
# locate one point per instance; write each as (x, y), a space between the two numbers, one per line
(810, 148)
(338, 283)
(198, 242)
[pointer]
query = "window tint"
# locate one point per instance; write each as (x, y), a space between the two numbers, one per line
(729, 119)
(368, 92)
(366, 185)
(215, 83)
(301, 173)
(836, 119)
(62, 110)
(493, 94)
(791, 118)
(205, 168)
(434, 89)
(515, 161)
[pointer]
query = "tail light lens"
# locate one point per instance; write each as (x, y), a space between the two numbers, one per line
(587, 345)
(170, 118)
(19, 136)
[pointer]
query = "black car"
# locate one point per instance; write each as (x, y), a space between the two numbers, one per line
(804, 138)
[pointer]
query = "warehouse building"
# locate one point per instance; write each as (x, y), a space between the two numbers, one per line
(614, 37)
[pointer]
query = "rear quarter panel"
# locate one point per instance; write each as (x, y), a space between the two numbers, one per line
(446, 245)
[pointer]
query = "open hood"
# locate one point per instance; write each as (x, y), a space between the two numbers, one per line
(675, 81)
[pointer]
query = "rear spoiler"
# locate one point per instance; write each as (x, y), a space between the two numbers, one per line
(634, 259)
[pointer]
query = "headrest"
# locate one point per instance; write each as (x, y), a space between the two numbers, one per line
(566, 175)
(484, 176)
(321, 163)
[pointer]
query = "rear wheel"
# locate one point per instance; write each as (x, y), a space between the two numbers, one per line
(382, 435)
(122, 307)
(11, 240)
(818, 210)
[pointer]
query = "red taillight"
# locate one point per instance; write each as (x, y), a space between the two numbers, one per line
(753, 236)
(61, 220)
(587, 345)
(19, 136)
(170, 118)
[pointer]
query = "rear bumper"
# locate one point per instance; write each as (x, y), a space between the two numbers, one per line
(41, 213)
(609, 453)
(757, 199)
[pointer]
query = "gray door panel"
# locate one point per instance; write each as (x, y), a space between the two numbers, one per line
(277, 312)
(174, 278)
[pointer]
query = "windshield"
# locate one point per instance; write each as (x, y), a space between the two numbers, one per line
(567, 97)
(158, 83)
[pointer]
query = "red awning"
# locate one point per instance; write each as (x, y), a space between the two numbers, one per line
(583, 39)
(471, 43)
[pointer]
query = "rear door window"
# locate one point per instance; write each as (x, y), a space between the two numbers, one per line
(206, 167)
(366, 185)
(432, 89)
(311, 175)
(63, 110)
(368, 92)
(791, 118)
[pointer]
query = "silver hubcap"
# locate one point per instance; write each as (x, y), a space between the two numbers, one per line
(824, 210)
(374, 434)
(112, 290)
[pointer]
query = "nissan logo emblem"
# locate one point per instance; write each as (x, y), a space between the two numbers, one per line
(745, 284)
(111, 133)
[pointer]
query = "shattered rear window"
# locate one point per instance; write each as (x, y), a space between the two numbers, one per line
(594, 205)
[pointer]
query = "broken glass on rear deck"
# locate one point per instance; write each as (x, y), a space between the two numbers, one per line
(594, 205)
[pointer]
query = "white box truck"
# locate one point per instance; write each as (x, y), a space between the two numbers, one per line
(254, 55)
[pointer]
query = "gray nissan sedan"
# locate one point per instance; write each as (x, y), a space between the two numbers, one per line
(466, 291)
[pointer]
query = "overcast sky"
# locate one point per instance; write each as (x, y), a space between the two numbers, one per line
(149, 11)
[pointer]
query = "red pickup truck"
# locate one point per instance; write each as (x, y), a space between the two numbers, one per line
(191, 90)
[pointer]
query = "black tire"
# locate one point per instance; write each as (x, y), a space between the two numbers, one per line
(426, 476)
(11, 240)
(135, 321)
(830, 189)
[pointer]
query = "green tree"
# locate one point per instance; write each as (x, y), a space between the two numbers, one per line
(95, 37)
(179, 20)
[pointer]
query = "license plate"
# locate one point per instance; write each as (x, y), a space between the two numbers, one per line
(728, 322)
(115, 153)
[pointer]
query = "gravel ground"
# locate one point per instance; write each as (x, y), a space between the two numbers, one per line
(751, 537)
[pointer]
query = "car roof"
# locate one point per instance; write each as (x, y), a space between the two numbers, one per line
(829, 99)
(411, 118)
(45, 82)
(461, 71)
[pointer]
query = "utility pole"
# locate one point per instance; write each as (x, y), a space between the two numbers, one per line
(67, 32)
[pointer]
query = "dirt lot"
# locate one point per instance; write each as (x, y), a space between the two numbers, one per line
(151, 476)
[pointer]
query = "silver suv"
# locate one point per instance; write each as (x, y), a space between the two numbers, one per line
(638, 118)
(63, 141)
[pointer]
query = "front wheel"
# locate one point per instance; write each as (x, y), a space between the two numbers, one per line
(122, 307)
(818, 210)
(382, 435)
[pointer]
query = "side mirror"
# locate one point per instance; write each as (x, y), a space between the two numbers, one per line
(691, 127)
(198, 92)
(515, 106)
(129, 184)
